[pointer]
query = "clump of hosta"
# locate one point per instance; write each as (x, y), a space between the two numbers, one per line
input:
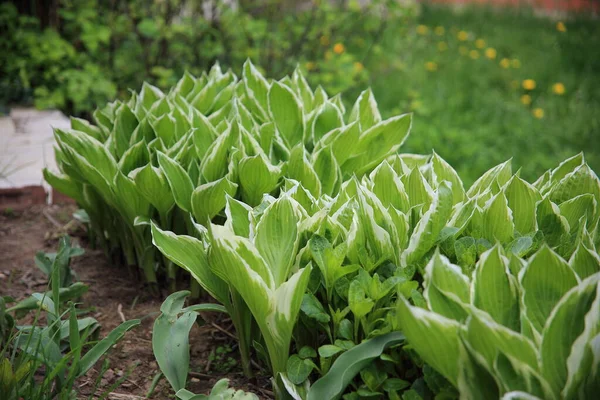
(172, 156)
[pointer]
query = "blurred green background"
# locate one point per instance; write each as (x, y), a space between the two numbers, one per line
(484, 84)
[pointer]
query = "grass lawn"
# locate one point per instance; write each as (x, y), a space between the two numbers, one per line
(463, 74)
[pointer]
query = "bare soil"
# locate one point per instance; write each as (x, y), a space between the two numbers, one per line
(114, 295)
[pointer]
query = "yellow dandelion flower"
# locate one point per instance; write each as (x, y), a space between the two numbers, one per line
(480, 43)
(505, 63)
(558, 88)
(462, 36)
(310, 65)
(490, 53)
(528, 84)
(526, 99)
(358, 66)
(439, 30)
(463, 50)
(560, 26)
(422, 30)
(474, 54)
(442, 46)
(538, 113)
(515, 63)
(431, 66)
(324, 40)
(338, 48)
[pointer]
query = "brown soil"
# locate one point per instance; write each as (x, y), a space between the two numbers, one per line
(113, 294)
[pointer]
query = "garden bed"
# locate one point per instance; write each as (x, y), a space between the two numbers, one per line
(113, 296)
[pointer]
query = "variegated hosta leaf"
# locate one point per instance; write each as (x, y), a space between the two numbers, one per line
(365, 110)
(544, 281)
(554, 226)
(495, 289)
(446, 288)
(274, 306)
(418, 189)
(152, 184)
(300, 169)
(257, 177)
(388, 187)
(584, 261)
(239, 217)
(287, 113)
(522, 198)
(429, 227)
(442, 171)
(190, 254)
(500, 174)
(179, 181)
(209, 199)
(434, 337)
(572, 324)
(497, 220)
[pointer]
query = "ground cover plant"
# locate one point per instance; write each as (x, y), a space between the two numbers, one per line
(43, 359)
(346, 268)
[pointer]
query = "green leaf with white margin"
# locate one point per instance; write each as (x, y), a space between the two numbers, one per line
(327, 118)
(490, 338)
(519, 395)
(328, 170)
(584, 262)
(495, 290)
(475, 381)
(214, 164)
(286, 112)
(300, 169)
(130, 202)
(554, 226)
(257, 176)
(501, 173)
(256, 83)
(418, 189)
(210, 198)
(433, 336)
(581, 181)
(238, 217)
(577, 313)
(275, 309)
(573, 209)
(446, 288)
(522, 199)
(365, 110)
(544, 281)
(179, 181)
(430, 225)
(190, 254)
(513, 374)
(344, 142)
(497, 220)
(444, 172)
(376, 143)
(65, 185)
(152, 184)
(388, 187)
(276, 237)
(204, 133)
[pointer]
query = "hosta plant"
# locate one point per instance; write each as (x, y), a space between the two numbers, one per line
(169, 156)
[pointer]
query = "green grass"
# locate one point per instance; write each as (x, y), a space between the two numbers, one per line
(470, 110)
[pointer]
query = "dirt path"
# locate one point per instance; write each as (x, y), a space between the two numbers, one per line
(110, 289)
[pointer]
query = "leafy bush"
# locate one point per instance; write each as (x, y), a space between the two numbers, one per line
(211, 139)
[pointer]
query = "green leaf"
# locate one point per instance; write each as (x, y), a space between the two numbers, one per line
(300, 169)
(152, 185)
(286, 112)
(298, 369)
(429, 226)
(277, 238)
(95, 353)
(446, 288)
(376, 143)
(327, 118)
(501, 173)
(495, 289)
(210, 198)
(544, 281)
(584, 262)
(522, 198)
(444, 172)
(551, 223)
(314, 309)
(179, 181)
(365, 110)
(327, 169)
(388, 187)
(329, 350)
(497, 220)
(344, 369)
(257, 177)
(577, 311)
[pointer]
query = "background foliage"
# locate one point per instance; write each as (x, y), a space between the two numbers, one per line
(469, 105)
